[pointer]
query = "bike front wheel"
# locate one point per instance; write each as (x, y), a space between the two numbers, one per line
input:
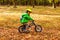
(38, 28)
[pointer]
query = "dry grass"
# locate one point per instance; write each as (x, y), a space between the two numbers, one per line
(9, 22)
(37, 9)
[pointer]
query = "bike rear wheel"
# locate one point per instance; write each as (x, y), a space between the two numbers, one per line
(21, 30)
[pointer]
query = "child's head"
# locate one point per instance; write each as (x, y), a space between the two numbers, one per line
(28, 11)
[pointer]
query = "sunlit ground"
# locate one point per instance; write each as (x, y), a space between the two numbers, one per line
(47, 17)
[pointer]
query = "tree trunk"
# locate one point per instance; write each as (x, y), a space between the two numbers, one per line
(8, 3)
(54, 4)
(3, 2)
(33, 4)
(44, 3)
(58, 3)
(15, 6)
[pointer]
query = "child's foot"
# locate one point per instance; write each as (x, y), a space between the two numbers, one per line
(26, 31)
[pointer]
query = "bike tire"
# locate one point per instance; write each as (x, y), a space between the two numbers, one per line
(38, 28)
(20, 28)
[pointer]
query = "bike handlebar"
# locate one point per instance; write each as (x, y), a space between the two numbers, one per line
(33, 22)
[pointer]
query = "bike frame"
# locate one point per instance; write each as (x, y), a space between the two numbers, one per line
(33, 23)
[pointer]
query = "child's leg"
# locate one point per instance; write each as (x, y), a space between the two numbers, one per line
(24, 26)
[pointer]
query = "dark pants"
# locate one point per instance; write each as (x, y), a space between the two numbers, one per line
(25, 26)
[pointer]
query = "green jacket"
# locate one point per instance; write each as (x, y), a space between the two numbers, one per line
(25, 18)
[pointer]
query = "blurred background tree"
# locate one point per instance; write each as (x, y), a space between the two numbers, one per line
(34, 3)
